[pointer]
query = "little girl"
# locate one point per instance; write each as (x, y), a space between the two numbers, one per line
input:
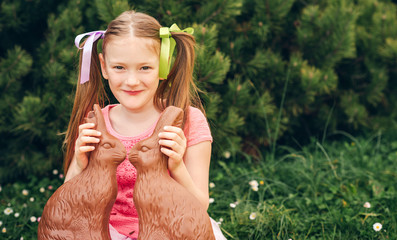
(136, 54)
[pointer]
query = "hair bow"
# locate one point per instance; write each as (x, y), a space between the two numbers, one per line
(87, 51)
(167, 48)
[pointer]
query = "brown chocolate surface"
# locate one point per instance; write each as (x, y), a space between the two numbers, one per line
(80, 208)
(166, 209)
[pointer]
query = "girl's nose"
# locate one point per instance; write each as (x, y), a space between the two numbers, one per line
(132, 79)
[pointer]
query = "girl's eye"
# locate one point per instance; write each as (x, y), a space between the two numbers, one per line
(145, 68)
(119, 67)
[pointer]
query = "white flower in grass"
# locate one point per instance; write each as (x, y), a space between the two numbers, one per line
(8, 211)
(254, 183)
(25, 192)
(31, 199)
(212, 185)
(25, 205)
(4, 230)
(211, 200)
(253, 216)
(367, 205)
(55, 171)
(1, 188)
(16, 214)
(377, 227)
(233, 205)
(1, 223)
(42, 189)
(21, 238)
(33, 219)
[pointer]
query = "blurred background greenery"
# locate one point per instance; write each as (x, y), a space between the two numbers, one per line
(271, 70)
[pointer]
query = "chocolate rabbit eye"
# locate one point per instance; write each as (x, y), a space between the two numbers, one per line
(107, 145)
(144, 149)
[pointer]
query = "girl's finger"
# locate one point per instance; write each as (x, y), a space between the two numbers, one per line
(170, 144)
(173, 129)
(170, 153)
(85, 149)
(85, 139)
(171, 136)
(85, 126)
(90, 132)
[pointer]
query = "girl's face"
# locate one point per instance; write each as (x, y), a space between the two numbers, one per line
(131, 65)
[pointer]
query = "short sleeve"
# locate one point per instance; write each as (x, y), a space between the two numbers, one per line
(197, 129)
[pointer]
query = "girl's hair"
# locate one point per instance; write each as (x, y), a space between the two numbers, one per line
(177, 90)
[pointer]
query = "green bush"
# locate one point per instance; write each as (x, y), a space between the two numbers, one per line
(270, 70)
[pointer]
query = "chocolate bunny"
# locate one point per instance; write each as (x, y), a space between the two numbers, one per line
(166, 209)
(80, 208)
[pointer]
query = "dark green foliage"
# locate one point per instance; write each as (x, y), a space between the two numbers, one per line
(270, 70)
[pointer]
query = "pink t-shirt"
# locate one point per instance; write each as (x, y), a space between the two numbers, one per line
(124, 217)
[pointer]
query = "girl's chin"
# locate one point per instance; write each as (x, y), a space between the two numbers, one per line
(135, 106)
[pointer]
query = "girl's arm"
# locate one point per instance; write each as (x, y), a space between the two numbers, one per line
(194, 173)
(73, 170)
(188, 166)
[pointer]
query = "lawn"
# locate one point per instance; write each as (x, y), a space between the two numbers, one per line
(338, 189)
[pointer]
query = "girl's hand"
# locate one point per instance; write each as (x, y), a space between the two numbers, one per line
(87, 136)
(173, 144)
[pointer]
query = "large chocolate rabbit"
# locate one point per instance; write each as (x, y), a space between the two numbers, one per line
(165, 208)
(80, 208)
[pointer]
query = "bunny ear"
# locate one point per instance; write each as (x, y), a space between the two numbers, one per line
(171, 116)
(96, 117)
(178, 121)
(100, 120)
(91, 118)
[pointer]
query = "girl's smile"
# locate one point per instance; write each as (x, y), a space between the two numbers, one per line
(133, 93)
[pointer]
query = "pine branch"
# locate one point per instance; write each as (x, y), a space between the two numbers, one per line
(16, 65)
(214, 14)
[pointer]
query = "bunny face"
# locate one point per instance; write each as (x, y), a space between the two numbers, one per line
(109, 149)
(146, 153)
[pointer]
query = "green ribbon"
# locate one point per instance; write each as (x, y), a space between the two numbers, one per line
(168, 47)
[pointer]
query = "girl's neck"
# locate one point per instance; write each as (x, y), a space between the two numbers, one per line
(132, 123)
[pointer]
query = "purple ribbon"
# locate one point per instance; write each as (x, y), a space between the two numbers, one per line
(87, 51)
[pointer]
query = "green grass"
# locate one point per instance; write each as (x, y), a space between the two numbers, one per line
(316, 192)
